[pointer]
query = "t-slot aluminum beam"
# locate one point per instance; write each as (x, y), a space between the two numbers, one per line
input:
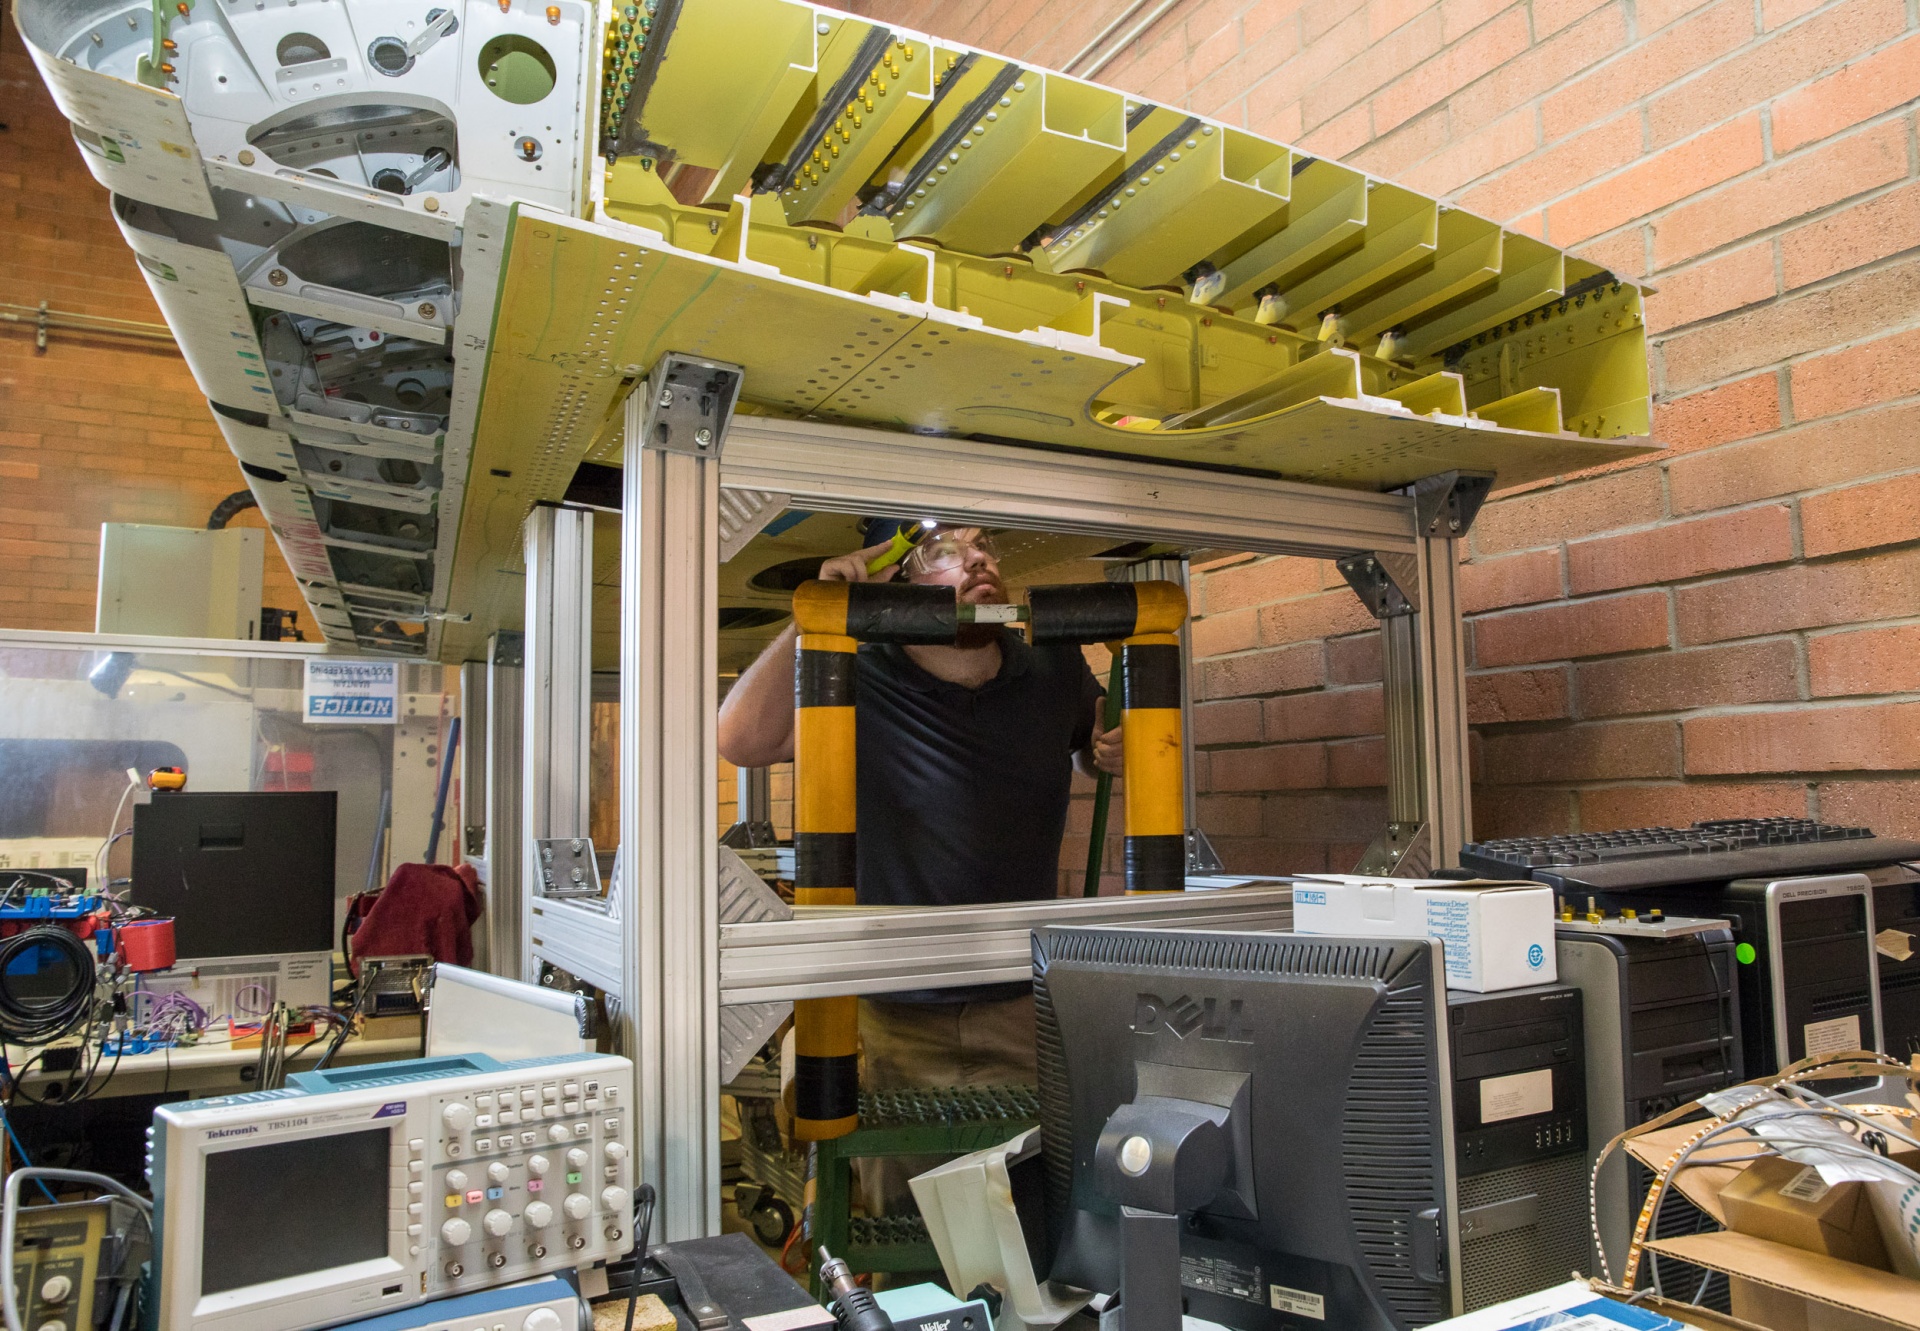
(558, 718)
(669, 690)
(827, 951)
(506, 705)
(845, 469)
(1443, 713)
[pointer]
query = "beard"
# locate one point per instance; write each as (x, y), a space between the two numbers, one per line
(975, 636)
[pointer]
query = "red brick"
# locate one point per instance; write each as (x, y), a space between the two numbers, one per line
(1326, 714)
(1859, 376)
(1650, 16)
(1501, 696)
(1743, 277)
(1805, 596)
(1890, 808)
(1313, 617)
(1470, 158)
(1218, 634)
(1738, 410)
(1677, 550)
(1605, 751)
(1233, 722)
(1460, 17)
(1392, 153)
(1385, 57)
(1228, 815)
(1354, 659)
(1656, 181)
(1811, 321)
(1547, 517)
(1853, 237)
(1354, 763)
(1873, 737)
(1274, 671)
(1773, 65)
(1648, 66)
(1276, 579)
(1477, 53)
(1680, 681)
(1546, 65)
(1509, 580)
(1876, 660)
(1624, 252)
(1800, 185)
(1611, 808)
(1276, 767)
(1861, 517)
(1778, 13)
(1872, 84)
(1808, 458)
(1334, 816)
(1504, 811)
(1564, 166)
(1571, 630)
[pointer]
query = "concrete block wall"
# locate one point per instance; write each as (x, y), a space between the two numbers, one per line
(1725, 628)
(93, 429)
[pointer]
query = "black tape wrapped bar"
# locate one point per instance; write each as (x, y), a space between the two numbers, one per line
(1082, 612)
(902, 612)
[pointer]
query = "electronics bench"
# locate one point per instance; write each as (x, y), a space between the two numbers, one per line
(962, 288)
(210, 1067)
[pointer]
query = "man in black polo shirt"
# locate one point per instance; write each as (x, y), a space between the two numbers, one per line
(964, 758)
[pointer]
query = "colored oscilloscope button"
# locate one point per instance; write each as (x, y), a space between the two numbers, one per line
(453, 1199)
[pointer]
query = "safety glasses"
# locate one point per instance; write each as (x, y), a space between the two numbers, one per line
(945, 550)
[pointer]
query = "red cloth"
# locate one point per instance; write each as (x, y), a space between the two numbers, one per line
(424, 908)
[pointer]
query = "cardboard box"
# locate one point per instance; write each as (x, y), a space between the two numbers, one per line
(1775, 1285)
(1497, 935)
(1788, 1203)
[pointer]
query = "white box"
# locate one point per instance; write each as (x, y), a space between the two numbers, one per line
(1496, 935)
(180, 582)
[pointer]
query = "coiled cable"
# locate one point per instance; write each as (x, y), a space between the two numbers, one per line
(39, 1018)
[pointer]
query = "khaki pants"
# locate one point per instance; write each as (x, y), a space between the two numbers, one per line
(988, 1043)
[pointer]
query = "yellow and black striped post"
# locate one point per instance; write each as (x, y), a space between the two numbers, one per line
(1146, 617)
(826, 1074)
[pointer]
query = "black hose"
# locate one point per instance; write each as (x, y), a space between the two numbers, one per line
(223, 512)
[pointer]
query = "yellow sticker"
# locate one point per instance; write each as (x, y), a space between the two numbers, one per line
(177, 150)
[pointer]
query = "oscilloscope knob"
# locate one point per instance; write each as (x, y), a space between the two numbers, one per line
(497, 1223)
(457, 1116)
(456, 1232)
(538, 1215)
(542, 1319)
(578, 1205)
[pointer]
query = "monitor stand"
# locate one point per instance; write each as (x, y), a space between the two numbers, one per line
(1157, 1157)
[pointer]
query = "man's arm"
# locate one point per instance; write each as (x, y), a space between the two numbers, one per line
(756, 720)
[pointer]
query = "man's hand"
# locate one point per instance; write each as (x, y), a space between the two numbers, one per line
(1107, 754)
(853, 567)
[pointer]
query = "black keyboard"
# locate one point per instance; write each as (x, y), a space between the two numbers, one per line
(1715, 851)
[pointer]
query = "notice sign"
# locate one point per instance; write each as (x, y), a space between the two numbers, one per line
(351, 692)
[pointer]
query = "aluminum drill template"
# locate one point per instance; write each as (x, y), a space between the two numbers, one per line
(417, 252)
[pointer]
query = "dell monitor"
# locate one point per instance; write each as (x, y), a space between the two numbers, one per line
(1250, 1128)
(242, 873)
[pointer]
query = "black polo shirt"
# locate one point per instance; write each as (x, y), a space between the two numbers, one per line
(963, 792)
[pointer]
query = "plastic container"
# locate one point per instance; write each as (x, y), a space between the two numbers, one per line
(147, 945)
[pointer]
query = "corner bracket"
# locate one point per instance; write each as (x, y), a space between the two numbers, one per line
(1387, 584)
(687, 404)
(1446, 504)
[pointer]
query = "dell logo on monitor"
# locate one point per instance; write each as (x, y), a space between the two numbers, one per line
(1213, 1019)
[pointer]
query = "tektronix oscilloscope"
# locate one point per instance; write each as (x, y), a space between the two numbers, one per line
(358, 1190)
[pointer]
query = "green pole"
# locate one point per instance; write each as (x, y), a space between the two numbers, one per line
(1103, 787)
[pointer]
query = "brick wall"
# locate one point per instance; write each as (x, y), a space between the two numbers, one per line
(1728, 627)
(93, 429)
